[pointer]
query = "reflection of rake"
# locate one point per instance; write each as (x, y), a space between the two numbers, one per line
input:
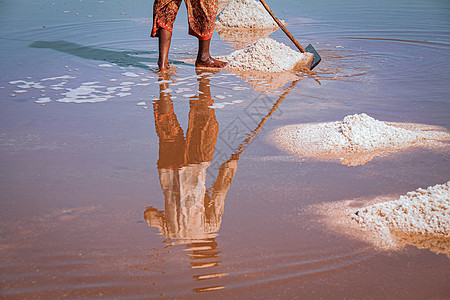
(309, 48)
(229, 167)
(240, 149)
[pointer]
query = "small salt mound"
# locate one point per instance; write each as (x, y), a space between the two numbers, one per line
(266, 55)
(361, 133)
(355, 140)
(245, 14)
(422, 212)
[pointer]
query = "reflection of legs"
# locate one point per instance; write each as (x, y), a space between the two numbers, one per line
(171, 138)
(203, 127)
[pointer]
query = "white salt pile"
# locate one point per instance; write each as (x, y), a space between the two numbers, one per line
(420, 218)
(245, 14)
(356, 139)
(267, 55)
(423, 213)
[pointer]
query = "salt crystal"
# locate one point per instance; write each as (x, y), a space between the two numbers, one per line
(357, 137)
(245, 14)
(265, 55)
(422, 212)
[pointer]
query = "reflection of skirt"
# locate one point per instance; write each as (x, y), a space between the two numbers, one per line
(201, 16)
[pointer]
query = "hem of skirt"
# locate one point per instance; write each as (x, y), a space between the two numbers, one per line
(158, 26)
(201, 37)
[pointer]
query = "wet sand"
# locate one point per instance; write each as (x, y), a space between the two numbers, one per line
(119, 200)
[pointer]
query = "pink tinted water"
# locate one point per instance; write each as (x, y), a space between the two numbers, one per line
(175, 198)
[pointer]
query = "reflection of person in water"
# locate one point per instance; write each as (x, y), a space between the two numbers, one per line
(191, 211)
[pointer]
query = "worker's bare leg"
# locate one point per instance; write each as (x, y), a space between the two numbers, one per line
(165, 37)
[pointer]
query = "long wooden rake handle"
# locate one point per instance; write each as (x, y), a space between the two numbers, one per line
(282, 26)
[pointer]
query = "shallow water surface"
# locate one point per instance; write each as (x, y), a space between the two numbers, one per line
(119, 183)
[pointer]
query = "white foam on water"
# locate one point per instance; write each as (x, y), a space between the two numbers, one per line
(162, 81)
(127, 83)
(188, 95)
(182, 90)
(27, 84)
(141, 103)
(105, 66)
(17, 81)
(130, 74)
(217, 106)
(43, 100)
(85, 94)
(62, 83)
(58, 77)
(32, 84)
(123, 94)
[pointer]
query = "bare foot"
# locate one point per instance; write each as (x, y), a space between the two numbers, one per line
(209, 63)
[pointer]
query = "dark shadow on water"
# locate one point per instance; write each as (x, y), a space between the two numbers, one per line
(122, 58)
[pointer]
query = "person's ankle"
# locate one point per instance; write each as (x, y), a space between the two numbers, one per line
(203, 58)
(163, 65)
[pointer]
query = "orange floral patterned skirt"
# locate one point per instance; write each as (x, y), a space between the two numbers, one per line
(201, 16)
